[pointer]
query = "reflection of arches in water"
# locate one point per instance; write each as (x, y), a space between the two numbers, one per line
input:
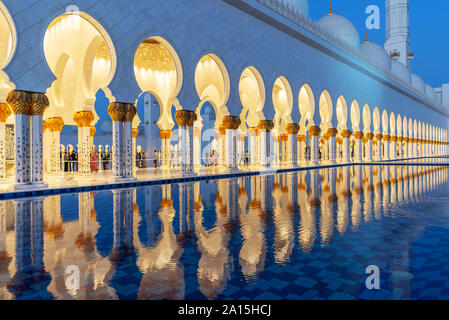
(151, 113)
(208, 132)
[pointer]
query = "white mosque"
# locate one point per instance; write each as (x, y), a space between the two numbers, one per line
(238, 79)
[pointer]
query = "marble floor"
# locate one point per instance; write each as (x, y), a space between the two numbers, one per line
(74, 181)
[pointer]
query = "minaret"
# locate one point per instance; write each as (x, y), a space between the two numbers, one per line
(398, 31)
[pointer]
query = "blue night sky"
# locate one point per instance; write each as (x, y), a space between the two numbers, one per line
(429, 28)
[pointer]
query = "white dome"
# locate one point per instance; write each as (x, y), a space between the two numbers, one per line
(341, 27)
(417, 83)
(401, 71)
(300, 6)
(376, 54)
(430, 92)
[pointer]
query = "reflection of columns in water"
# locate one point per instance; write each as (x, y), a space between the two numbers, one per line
(327, 215)
(163, 276)
(307, 226)
(393, 184)
(356, 194)
(385, 189)
(5, 258)
(400, 184)
(30, 271)
(186, 205)
(343, 202)
(367, 193)
(214, 266)
(377, 182)
(252, 225)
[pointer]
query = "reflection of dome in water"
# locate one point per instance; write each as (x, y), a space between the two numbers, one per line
(341, 27)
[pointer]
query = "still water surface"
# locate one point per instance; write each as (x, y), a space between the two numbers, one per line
(305, 235)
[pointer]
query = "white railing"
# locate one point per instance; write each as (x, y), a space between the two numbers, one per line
(280, 7)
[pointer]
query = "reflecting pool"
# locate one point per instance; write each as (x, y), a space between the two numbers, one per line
(303, 235)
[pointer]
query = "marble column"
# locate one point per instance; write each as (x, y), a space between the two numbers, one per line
(231, 124)
(314, 133)
(39, 102)
(135, 133)
(84, 119)
(241, 138)
(117, 112)
(369, 147)
(55, 126)
(197, 126)
(221, 145)
(302, 140)
(276, 150)
(378, 147)
(283, 148)
(292, 151)
(346, 135)
(265, 127)
(92, 132)
(358, 136)
(332, 133)
(386, 147)
(165, 147)
(130, 113)
(5, 112)
(185, 120)
(393, 140)
(405, 147)
(253, 141)
(400, 149)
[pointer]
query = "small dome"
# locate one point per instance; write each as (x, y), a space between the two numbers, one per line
(376, 54)
(400, 70)
(106, 127)
(417, 83)
(300, 6)
(430, 92)
(341, 27)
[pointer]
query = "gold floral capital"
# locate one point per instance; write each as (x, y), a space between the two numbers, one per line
(302, 138)
(117, 111)
(83, 118)
(379, 137)
(55, 124)
(5, 112)
(165, 134)
(386, 137)
(135, 132)
(369, 136)
(231, 122)
(358, 135)
(332, 132)
(39, 102)
(393, 138)
(346, 134)
(92, 131)
(266, 125)
(130, 112)
(314, 131)
(284, 137)
(19, 101)
(292, 128)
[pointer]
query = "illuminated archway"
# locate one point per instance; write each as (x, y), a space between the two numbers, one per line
(306, 103)
(81, 55)
(366, 119)
(342, 114)
(355, 116)
(213, 85)
(158, 70)
(326, 111)
(252, 96)
(283, 104)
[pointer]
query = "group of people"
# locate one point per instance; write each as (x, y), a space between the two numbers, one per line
(69, 161)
